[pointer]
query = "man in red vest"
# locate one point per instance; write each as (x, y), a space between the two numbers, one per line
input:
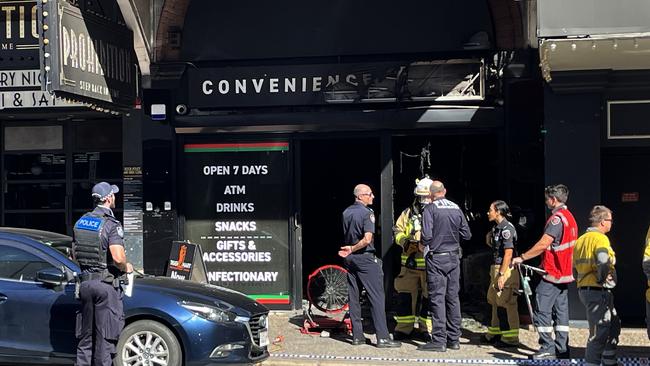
(556, 248)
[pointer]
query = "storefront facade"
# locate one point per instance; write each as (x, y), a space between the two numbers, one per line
(268, 132)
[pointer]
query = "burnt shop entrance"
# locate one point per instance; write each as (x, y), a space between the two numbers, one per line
(328, 168)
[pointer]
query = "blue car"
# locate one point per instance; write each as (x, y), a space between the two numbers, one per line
(168, 322)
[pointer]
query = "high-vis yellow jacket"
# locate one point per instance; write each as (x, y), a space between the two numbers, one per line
(585, 254)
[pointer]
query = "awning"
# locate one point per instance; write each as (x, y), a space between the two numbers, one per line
(629, 51)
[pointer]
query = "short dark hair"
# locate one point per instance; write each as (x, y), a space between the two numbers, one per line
(502, 208)
(598, 214)
(558, 191)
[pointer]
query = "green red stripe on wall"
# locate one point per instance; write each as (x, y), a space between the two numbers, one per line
(271, 299)
(237, 147)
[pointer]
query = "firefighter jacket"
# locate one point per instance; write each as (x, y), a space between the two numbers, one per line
(407, 235)
(557, 259)
(591, 271)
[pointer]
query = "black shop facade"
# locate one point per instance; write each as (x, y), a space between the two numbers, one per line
(271, 116)
(265, 159)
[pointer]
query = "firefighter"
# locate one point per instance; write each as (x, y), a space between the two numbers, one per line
(502, 293)
(411, 283)
(594, 261)
(552, 293)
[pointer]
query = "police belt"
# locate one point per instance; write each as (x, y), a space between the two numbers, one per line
(593, 288)
(457, 252)
(89, 276)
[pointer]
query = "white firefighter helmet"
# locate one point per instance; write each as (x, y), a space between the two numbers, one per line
(423, 187)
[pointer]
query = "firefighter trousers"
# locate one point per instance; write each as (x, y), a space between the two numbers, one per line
(552, 306)
(411, 287)
(505, 315)
(604, 326)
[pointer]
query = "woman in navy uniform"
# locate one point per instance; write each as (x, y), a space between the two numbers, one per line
(364, 268)
(502, 293)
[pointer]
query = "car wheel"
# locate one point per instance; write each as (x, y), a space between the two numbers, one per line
(148, 343)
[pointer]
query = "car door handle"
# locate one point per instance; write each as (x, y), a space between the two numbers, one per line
(3, 298)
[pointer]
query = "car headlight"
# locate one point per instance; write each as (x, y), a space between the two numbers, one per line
(209, 312)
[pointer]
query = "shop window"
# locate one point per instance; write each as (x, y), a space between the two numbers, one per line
(34, 166)
(97, 166)
(35, 196)
(626, 119)
(98, 135)
(33, 138)
(17, 264)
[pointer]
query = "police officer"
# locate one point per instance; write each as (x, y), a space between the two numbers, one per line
(411, 283)
(502, 293)
(443, 225)
(646, 270)
(98, 247)
(552, 293)
(364, 268)
(594, 261)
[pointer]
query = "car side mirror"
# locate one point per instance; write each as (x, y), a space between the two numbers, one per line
(51, 276)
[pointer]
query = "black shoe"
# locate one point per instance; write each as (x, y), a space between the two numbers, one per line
(564, 355)
(432, 347)
(399, 336)
(543, 355)
(491, 340)
(359, 341)
(421, 336)
(453, 345)
(388, 343)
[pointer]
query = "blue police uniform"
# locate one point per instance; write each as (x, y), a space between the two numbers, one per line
(364, 268)
(101, 319)
(443, 225)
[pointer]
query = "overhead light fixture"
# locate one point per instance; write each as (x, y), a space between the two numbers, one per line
(553, 46)
(573, 46)
(636, 43)
(615, 44)
(593, 45)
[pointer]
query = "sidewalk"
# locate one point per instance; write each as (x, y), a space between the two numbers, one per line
(289, 348)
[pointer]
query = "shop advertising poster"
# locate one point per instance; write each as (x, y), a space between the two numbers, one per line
(237, 210)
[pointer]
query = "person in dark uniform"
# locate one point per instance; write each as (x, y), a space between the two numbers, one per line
(443, 225)
(504, 280)
(98, 247)
(364, 268)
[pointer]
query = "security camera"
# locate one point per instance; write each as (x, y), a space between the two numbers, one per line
(181, 109)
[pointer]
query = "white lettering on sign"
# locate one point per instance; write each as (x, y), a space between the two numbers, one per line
(177, 276)
(234, 189)
(216, 170)
(237, 257)
(242, 276)
(236, 207)
(235, 226)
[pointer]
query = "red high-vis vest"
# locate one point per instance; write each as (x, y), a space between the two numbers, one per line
(558, 261)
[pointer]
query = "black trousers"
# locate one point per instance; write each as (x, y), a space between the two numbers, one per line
(99, 323)
(443, 282)
(365, 269)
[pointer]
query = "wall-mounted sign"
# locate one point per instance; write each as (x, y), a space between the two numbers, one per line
(86, 57)
(21, 89)
(237, 209)
(335, 83)
(19, 35)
